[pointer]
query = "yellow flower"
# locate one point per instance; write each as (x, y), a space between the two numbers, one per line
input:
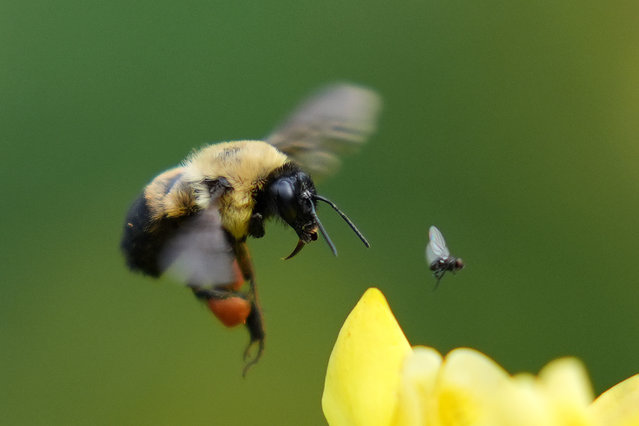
(362, 377)
(374, 377)
(619, 405)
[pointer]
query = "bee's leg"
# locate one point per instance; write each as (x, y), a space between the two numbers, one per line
(256, 331)
(256, 226)
(254, 322)
(212, 293)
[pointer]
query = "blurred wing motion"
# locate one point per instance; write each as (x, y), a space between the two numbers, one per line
(335, 121)
(200, 254)
(436, 248)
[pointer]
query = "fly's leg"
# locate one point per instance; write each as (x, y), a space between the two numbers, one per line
(439, 274)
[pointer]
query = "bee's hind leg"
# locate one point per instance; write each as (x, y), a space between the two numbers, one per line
(254, 322)
(218, 293)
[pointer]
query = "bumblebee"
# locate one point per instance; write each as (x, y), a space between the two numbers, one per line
(194, 220)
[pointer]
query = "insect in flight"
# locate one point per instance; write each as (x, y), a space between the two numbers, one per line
(438, 255)
(193, 220)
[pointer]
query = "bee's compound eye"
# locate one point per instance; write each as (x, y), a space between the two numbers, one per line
(231, 311)
(282, 190)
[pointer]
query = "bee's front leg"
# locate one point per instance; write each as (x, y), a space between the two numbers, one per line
(256, 226)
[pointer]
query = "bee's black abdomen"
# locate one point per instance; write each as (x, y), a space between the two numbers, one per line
(136, 242)
(140, 244)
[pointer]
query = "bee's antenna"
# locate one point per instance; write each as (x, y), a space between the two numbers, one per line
(350, 223)
(323, 231)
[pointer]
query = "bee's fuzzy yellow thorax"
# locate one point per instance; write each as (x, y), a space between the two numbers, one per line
(245, 165)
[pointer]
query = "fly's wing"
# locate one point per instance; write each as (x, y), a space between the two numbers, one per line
(430, 254)
(334, 121)
(200, 253)
(437, 245)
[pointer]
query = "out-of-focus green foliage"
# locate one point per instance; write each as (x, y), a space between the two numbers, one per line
(512, 126)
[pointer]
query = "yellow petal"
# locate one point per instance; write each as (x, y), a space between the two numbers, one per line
(520, 402)
(619, 405)
(559, 396)
(416, 405)
(363, 371)
(466, 386)
(566, 379)
(566, 385)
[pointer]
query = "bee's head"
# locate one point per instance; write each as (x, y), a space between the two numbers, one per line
(294, 199)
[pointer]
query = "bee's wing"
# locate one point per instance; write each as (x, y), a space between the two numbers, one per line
(335, 120)
(437, 244)
(199, 253)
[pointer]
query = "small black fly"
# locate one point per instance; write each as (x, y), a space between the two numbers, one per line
(439, 257)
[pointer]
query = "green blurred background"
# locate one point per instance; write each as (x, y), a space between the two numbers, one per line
(511, 125)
